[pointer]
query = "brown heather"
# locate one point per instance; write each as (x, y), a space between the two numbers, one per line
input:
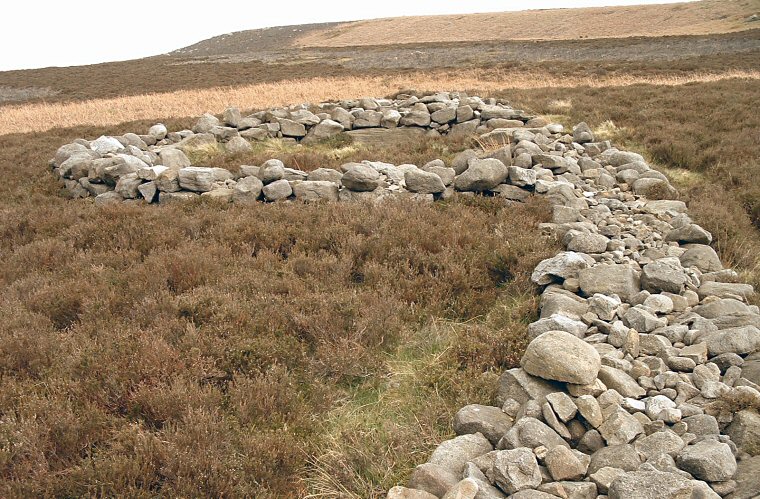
(268, 351)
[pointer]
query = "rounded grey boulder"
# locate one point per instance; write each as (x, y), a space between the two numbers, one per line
(423, 182)
(560, 356)
(481, 175)
(360, 178)
(279, 189)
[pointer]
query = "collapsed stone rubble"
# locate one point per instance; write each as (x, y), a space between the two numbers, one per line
(641, 377)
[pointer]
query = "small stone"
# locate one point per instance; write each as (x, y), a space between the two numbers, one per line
(532, 433)
(590, 410)
(521, 177)
(691, 233)
(620, 427)
(423, 182)
(360, 178)
(433, 479)
(520, 386)
(158, 131)
(325, 175)
(621, 382)
(466, 489)
(563, 464)
(453, 454)
(563, 405)
(591, 442)
(661, 442)
(619, 280)
(515, 470)
(197, 179)
(481, 175)
(553, 422)
(247, 190)
(583, 242)
(271, 171)
(739, 340)
(655, 405)
(604, 306)
(148, 191)
(604, 477)
(665, 275)
(744, 430)
(708, 460)
(557, 322)
(642, 321)
(650, 485)
(624, 457)
(405, 493)
(238, 145)
(490, 421)
(562, 266)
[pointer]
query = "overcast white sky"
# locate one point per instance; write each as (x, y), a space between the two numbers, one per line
(65, 33)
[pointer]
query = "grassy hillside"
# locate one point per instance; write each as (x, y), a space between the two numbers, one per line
(539, 63)
(693, 18)
(702, 17)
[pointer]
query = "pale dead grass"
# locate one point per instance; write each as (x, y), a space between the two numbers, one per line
(39, 117)
(693, 18)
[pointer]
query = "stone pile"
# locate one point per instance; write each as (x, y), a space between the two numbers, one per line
(641, 379)
(155, 167)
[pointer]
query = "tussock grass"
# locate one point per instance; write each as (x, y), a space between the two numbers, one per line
(38, 117)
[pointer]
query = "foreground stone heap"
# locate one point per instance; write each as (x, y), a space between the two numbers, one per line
(640, 380)
(155, 167)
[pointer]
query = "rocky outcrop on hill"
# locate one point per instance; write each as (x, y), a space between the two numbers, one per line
(641, 379)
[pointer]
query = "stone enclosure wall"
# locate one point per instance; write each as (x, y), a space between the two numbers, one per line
(155, 167)
(641, 377)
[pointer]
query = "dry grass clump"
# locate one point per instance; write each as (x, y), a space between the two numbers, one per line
(207, 350)
(38, 117)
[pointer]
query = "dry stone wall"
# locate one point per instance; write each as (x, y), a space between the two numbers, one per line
(155, 167)
(641, 377)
